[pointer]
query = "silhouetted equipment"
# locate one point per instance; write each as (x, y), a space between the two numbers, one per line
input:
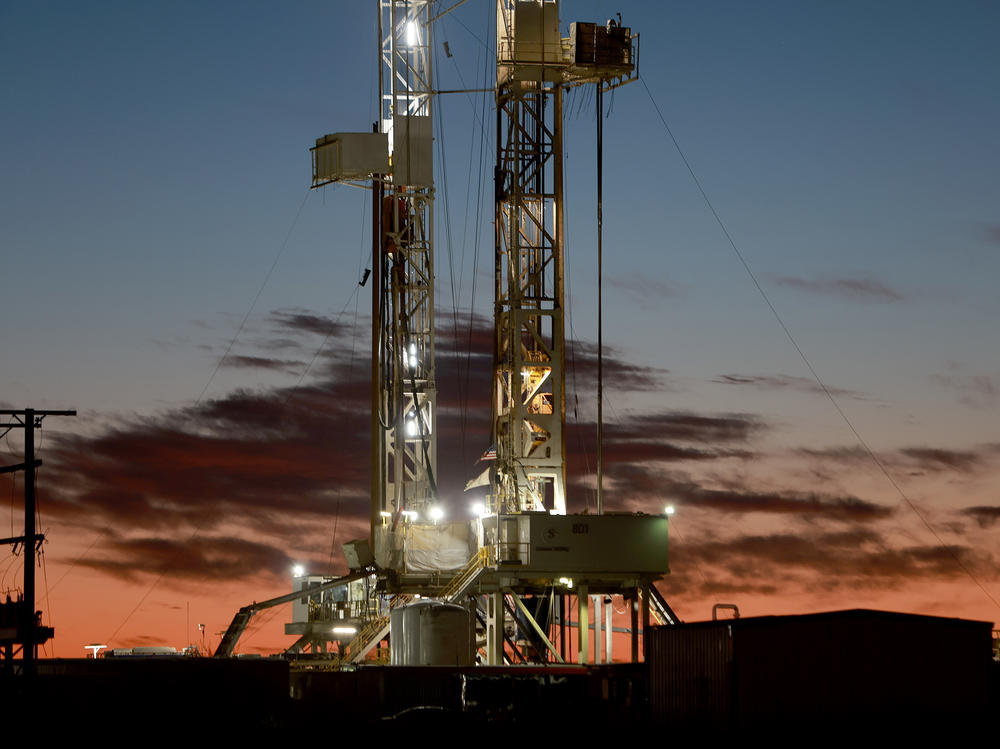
(832, 670)
(23, 624)
(242, 619)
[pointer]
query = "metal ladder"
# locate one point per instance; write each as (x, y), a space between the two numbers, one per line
(659, 607)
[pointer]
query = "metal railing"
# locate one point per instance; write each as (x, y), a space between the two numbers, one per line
(479, 561)
(458, 584)
(361, 642)
(514, 552)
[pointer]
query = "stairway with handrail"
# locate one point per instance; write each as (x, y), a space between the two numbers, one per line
(378, 628)
(464, 578)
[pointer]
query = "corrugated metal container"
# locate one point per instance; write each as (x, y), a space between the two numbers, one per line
(431, 633)
(844, 666)
(690, 674)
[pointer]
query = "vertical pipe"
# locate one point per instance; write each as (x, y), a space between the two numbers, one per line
(377, 454)
(634, 623)
(562, 626)
(496, 622)
(551, 628)
(645, 619)
(608, 631)
(497, 492)
(600, 299)
(597, 628)
(558, 321)
(583, 625)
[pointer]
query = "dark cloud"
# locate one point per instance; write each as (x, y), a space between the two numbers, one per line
(686, 426)
(850, 454)
(302, 321)
(637, 447)
(993, 232)
(914, 461)
(716, 586)
(643, 289)
(238, 361)
(619, 373)
(250, 456)
(663, 437)
(857, 289)
(857, 559)
(280, 462)
(936, 459)
(638, 479)
(284, 462)
(985, 515)
(783, 382)
(974, 391)
(217, 559)
(780, 549)
(799, 503)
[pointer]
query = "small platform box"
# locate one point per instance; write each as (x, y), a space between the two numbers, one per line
(600, 46)
(344, 156)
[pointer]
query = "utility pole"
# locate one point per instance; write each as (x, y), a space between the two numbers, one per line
(29, 633)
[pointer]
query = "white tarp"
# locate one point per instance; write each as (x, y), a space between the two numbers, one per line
(437, 548)
(424, 547)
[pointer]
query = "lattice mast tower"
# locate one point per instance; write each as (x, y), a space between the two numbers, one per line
(405, 433)
(534, 66)
(528, 378)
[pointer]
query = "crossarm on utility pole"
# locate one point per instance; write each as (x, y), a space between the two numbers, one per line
(18, 467)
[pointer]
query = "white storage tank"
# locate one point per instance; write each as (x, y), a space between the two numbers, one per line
(430, 633)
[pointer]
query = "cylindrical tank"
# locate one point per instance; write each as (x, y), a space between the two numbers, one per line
(430, 633)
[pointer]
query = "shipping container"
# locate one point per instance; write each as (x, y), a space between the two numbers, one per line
(840, 668)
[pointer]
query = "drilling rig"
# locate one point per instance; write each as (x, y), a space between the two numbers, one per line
(519, 572)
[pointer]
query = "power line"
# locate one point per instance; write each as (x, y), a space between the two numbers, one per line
(253, 304)
(267, 277)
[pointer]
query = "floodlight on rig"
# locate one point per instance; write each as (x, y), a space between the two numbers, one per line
(412, 36)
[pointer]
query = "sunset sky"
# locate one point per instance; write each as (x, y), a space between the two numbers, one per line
(155, 215)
